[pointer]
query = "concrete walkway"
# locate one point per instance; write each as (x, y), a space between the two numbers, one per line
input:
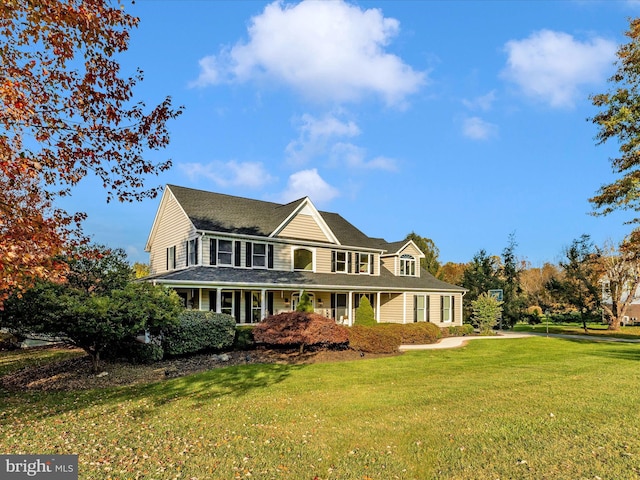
(454, 342)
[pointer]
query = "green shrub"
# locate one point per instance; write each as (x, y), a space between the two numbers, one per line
(132, 351)
(459, 330)
(197, 331)
(244, 338)
(305, 305)
(364, 313)
(418, 333)
(376, 339)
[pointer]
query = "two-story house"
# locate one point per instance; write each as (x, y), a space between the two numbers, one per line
(250, 258)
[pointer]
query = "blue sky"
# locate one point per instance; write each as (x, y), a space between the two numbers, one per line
(463, 121)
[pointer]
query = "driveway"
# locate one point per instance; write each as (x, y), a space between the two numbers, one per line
(454, 342)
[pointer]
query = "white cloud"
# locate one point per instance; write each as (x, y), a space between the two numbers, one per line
(328, 51)
(315, 136)
(477, 129)
(308, 183)
(552, 66)
(231, 173)
(483, 102)
(355, 157)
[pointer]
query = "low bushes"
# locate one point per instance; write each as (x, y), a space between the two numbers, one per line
(300, 329)
(458, 330)
(199, 330)
(376, 339)
(387, 337)
(244, 338)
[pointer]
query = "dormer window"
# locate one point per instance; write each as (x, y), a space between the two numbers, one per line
(407, 266)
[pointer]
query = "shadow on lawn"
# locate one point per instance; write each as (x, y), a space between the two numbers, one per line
(200, 387)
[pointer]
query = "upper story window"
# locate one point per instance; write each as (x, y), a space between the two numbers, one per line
(258, 255)
(221, 252)
(407, 266)
(302, 259)
(364, 262)
(340, 261)
(192, 252)
(171, 258)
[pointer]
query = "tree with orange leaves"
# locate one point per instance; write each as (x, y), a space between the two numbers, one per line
(66, 111)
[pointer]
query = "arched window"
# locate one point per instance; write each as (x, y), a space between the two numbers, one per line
(407, 266)
(302, 259)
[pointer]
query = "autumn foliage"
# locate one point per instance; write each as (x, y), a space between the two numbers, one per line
(299, 329)
(65, 112)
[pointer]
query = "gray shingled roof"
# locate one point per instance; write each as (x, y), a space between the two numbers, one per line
(221, 276)
(218, 212)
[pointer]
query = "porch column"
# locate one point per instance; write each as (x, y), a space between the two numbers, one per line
(378, 306)
(404, 307)
(350, 308)
(218, 300)
(263, 301)
(200, 298)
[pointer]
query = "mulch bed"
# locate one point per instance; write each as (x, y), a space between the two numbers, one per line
(75, 373)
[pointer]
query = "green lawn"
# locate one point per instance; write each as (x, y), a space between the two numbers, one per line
(577, 329)
(530, 408)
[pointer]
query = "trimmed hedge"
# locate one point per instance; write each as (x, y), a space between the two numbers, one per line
(376, 339)
(387, 337)
(198, 330)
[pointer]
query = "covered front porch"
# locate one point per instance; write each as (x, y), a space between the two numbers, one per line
(251, 305)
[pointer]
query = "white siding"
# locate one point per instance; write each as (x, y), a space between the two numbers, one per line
(173, 229)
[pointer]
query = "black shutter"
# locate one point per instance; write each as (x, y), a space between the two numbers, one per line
(269, 256)
(247, 306)
(167, 259)
(237, 253)
(453, 310)
(186, 249)
(415, 308)
(357, 269)
(195, 253)
(236, 306)
(371, 263)
(441, 309)
(213, 300)
(269, 303)
(333, 260)
(349, 263)
(213, 252)
(248, 257)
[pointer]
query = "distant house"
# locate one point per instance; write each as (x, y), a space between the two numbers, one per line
(251, 258)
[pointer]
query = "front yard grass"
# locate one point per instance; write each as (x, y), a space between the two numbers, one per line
(529, 408)
(577, 329)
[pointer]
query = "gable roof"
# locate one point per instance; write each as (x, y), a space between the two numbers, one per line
(217, 212)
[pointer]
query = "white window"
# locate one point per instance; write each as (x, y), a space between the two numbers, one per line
(259, 255)
(447, 308)
(171, 258)
(192, 252)
(341, 262)
(256, 307)
(407, 266)
(422, 308)
(225, 252)
(302, 259)
(364, 263)
(226, 303)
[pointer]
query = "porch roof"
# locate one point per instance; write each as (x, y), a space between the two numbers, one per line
(211, 277)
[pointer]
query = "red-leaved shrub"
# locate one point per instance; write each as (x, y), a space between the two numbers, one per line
(300, 329)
